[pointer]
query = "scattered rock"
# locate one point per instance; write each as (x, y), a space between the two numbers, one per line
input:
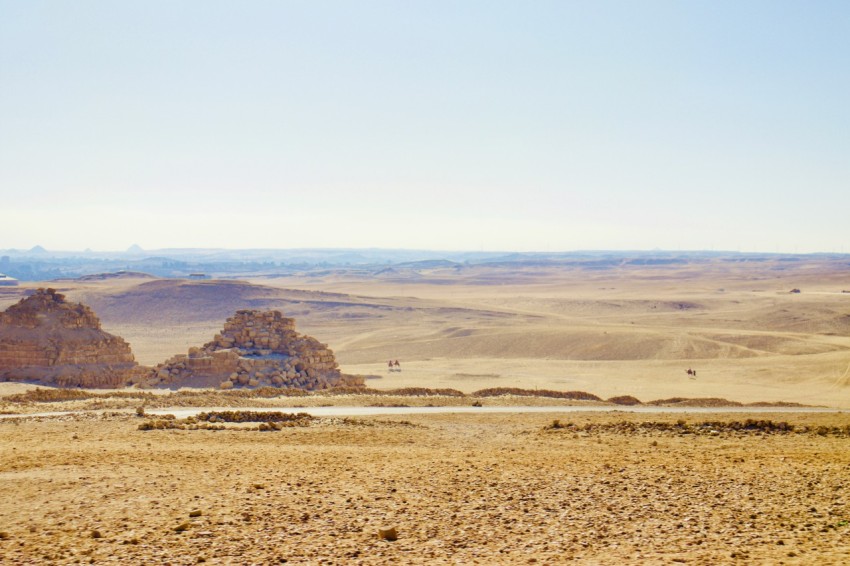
(388, 533)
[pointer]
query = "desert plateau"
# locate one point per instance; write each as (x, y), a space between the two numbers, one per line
(541, 412)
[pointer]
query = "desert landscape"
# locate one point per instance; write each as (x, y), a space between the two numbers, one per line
(630, 329)
(539, 414)
(391, 283)
(441, 489)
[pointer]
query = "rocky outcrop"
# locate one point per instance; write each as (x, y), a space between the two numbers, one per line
(255, 348)
(46, 339)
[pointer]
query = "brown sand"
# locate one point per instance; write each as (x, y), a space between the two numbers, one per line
(486, 489)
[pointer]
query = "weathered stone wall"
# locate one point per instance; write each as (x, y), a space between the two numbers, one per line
(255, 348)
(44, 338)
(20, 353)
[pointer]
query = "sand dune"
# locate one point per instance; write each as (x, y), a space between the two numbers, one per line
(547, 326)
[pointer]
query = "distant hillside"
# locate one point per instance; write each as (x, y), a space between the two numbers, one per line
(116, 275)
(38, 264)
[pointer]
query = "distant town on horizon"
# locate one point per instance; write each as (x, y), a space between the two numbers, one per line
(40, 264)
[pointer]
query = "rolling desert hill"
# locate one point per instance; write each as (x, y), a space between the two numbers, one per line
(610, 330)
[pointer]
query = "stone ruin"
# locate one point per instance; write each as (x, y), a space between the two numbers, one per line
(255, 349)
(44, 338)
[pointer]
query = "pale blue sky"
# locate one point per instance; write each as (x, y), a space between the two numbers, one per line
(433, 124)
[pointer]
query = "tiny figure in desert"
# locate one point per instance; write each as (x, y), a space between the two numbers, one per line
(397, 365)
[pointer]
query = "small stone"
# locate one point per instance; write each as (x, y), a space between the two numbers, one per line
(96, 534)
(182, 527)
(388, 534)
(195, 513)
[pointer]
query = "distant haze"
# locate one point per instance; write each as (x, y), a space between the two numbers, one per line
(469, 125)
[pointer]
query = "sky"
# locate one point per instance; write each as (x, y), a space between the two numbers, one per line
(453, 125)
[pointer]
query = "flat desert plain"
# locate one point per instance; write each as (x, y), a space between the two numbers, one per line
(103, 485)
(609, 488)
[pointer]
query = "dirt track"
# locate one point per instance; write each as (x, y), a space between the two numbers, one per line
(458, 489)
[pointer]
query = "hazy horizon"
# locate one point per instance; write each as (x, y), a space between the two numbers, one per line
(429, 253)
(552, 126)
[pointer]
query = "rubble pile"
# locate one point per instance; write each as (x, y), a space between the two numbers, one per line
(255, 349)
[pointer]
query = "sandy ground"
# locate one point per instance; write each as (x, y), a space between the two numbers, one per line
(630, 330)
(461, 489)
(458, 489)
